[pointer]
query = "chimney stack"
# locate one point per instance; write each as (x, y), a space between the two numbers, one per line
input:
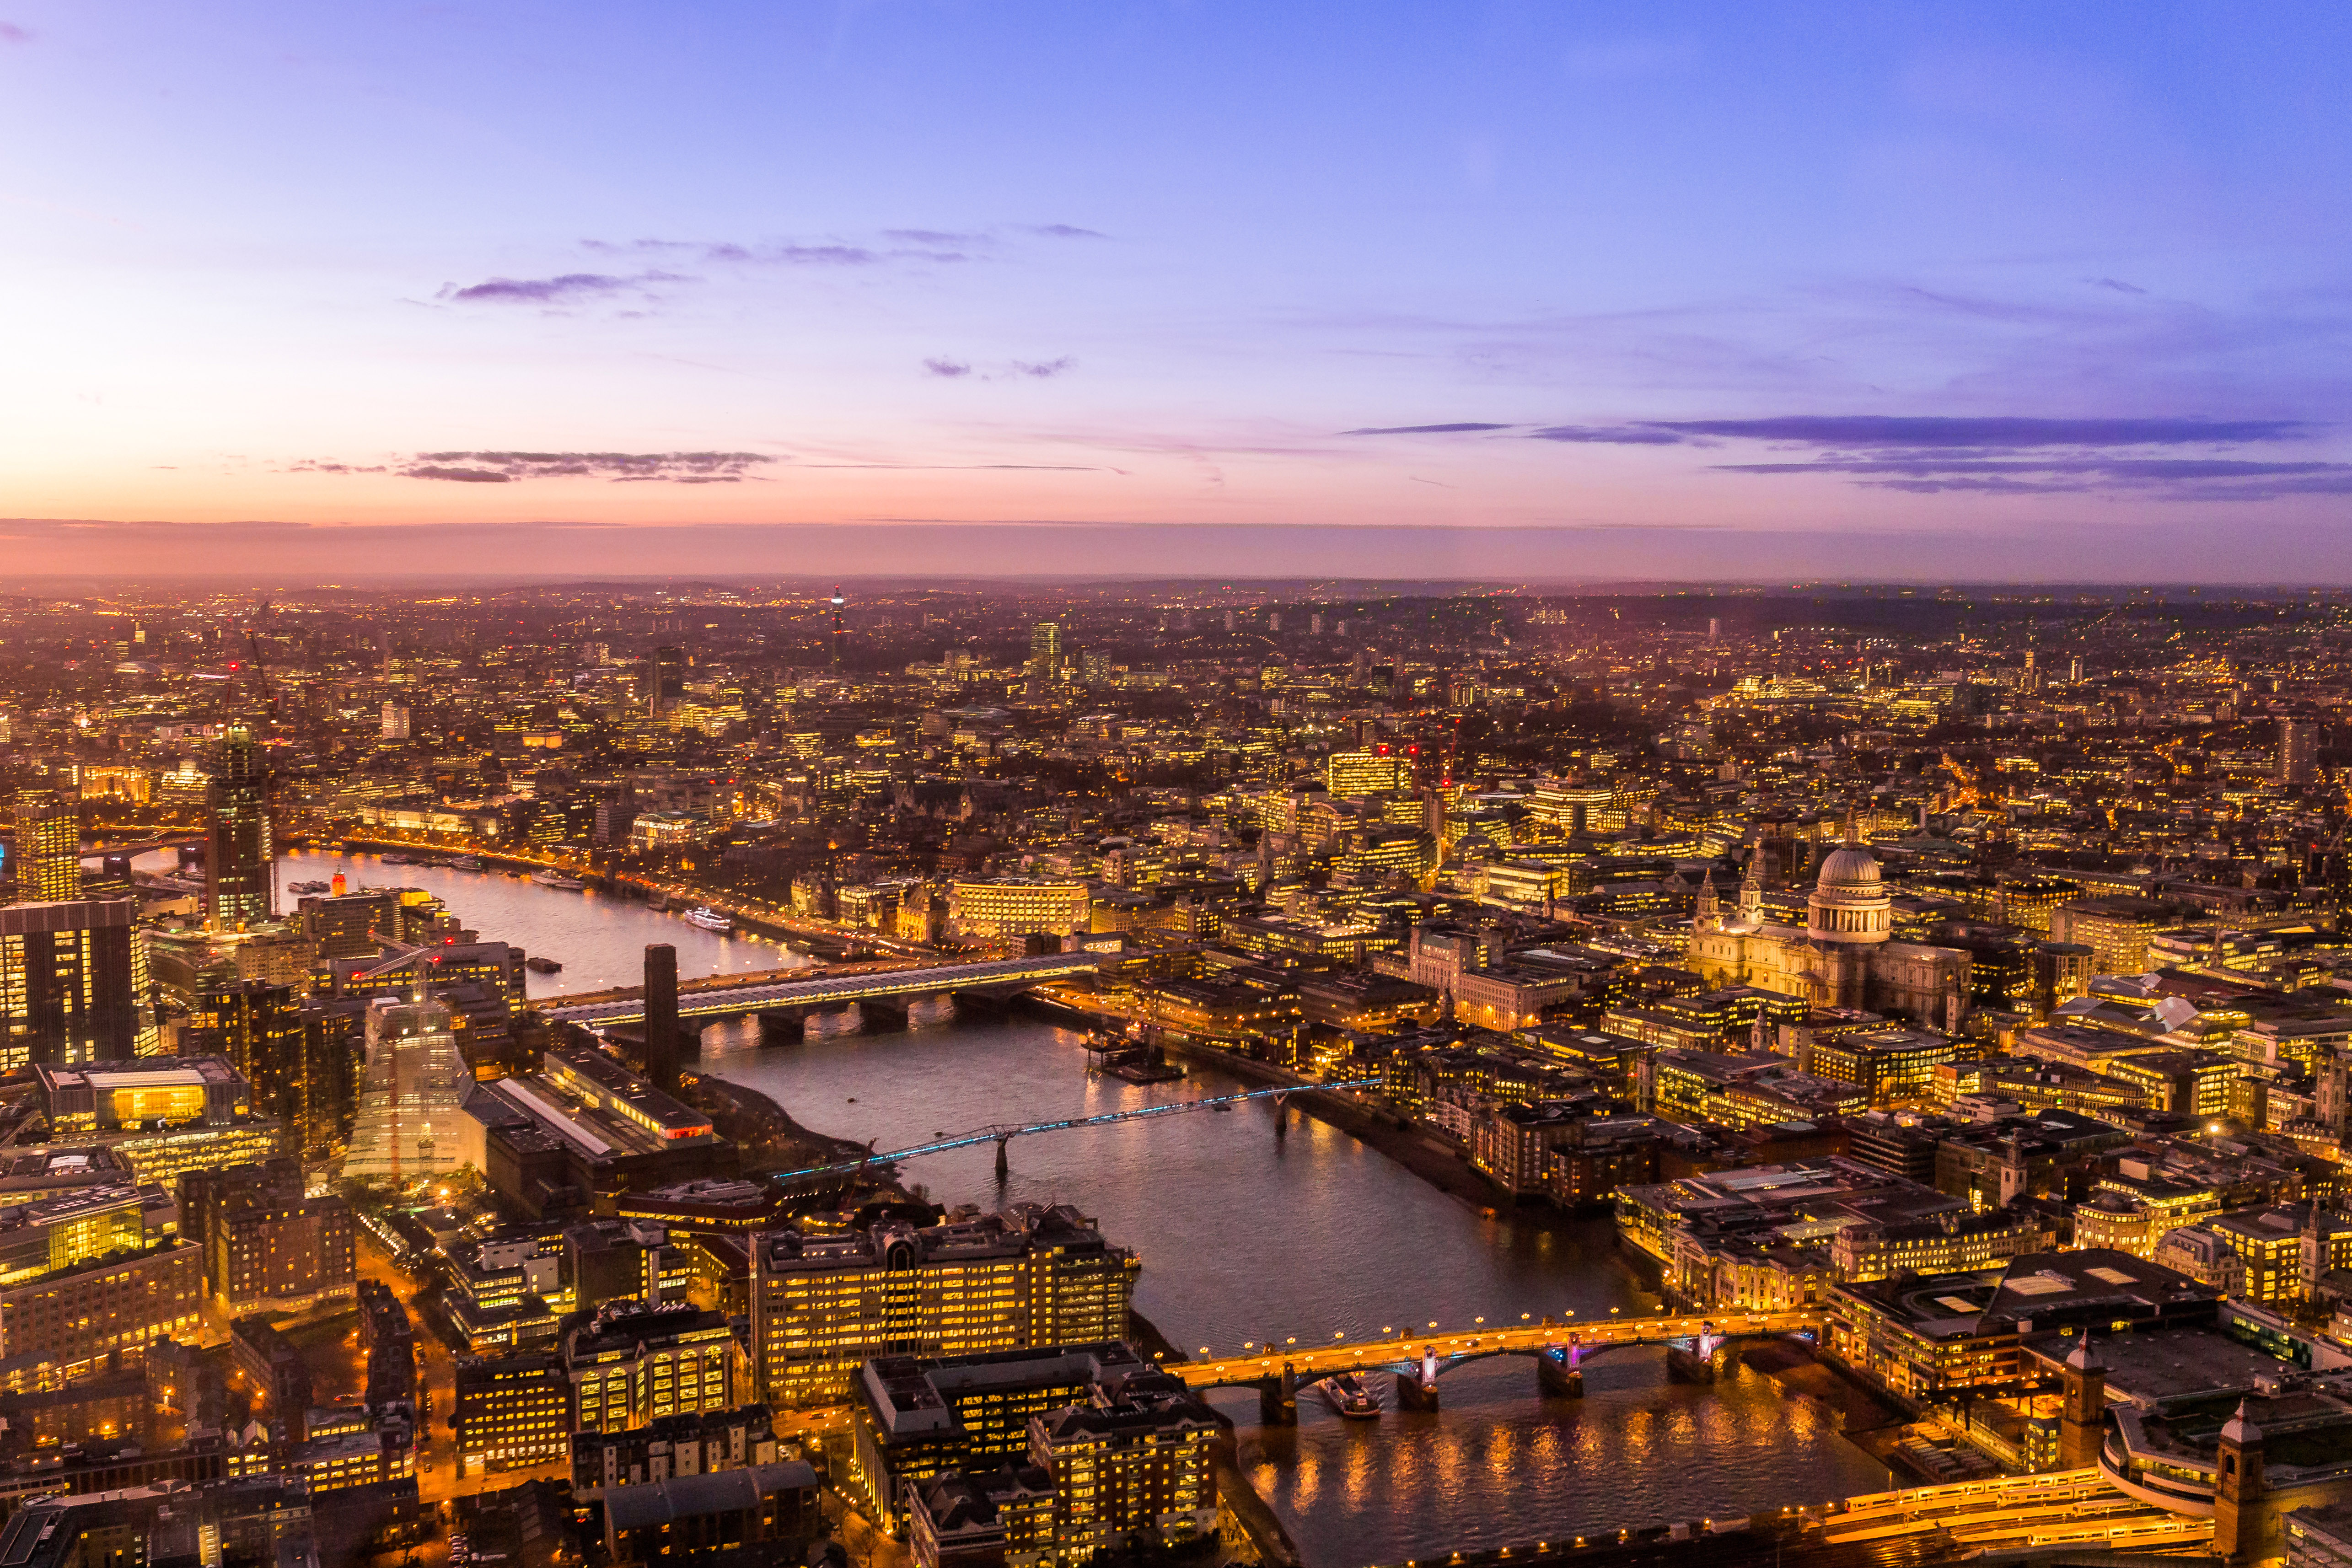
(661, 1015)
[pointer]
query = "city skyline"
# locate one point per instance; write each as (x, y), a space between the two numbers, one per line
(1490, 294)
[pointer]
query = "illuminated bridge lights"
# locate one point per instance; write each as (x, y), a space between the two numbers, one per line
(840, 990)
(1001, 1134)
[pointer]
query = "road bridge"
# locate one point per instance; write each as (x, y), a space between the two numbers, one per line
(1417, 1360)
(783, 1004)
(95, 851)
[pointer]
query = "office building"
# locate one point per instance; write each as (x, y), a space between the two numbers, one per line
(698, 1443)
(257, 1026)
(2298, 751)
(675, 1520)
(161, 1116)
(665, 681)
(48, 857)
(1123, 1445)
(1018, 906)
(1031, 1278)
(238, 850)
(415, 1080)
(633, 1364)
(395, 720)
(1045, 655)
(1352, 775)
(513, 1412)
(271, 1249)
(73, 983)
(90, 1281)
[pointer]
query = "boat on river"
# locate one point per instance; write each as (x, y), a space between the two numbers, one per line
(539, 965)
(709, 919)
(1125, 1057)
(465, 863)
(1352, 1395)
(558, 881)
(308, 886)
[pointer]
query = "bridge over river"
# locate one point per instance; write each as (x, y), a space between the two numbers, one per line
(783, 1004)
(1559, 1349)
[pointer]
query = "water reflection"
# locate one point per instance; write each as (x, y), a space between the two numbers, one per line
(1247, 1236)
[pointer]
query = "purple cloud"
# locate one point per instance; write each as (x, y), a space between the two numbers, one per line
(1051, 367)
(1066, 231)
(946, 367)
(1607, 434)
(1458, 429)
(505, 468)
(463, 476)
(569, 286)
(2117, 284)
(11, 34)
(1999, 432)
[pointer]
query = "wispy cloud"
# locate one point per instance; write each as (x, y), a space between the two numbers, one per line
(1063, 231)
(1607, 434)
(510, 468)
(11, 34)
(2117, 284)
(2010, 454)
(1460, 428)
(1013, 370)
(565, 289)
(2004, 432)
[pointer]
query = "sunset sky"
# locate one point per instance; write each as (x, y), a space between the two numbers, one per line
(1493, 289)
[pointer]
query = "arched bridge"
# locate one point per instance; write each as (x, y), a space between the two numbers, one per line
(1417, 1360)
(787, 1001)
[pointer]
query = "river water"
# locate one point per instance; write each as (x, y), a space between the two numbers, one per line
(1245, 1235)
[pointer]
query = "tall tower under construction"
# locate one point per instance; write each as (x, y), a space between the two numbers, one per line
(837, 603)
(238, 890)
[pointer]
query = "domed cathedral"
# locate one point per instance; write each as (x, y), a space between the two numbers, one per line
(1842, 956)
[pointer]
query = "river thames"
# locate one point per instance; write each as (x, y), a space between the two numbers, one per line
(1248, 1237)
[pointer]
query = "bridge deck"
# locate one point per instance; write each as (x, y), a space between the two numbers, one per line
(1321, 1361)
(834, 991)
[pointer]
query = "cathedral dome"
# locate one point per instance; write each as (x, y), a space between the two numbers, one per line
(1850, 865)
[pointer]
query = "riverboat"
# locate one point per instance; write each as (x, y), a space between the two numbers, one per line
(1352, 1395)
(709, 919)
(558, 880)
(1131, 1060)
(308, 886)
(542, 965)
(465, 863)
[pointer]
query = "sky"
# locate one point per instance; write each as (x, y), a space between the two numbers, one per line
(1990, 292)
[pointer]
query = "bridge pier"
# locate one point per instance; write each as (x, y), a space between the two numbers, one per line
(979, 1005)
(1277, 1399)
(782, 1026)
(1558, 1374)
(1412, 1394)
(885, 1015)
(1003, 1165)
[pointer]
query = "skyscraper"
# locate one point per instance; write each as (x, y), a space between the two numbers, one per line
(668, 681)
(48, 846)
(1045, 653)
(395, 721)
(2298, 750)
(73, 983)
(238, 851)
(415, 1082)
(837, 603)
